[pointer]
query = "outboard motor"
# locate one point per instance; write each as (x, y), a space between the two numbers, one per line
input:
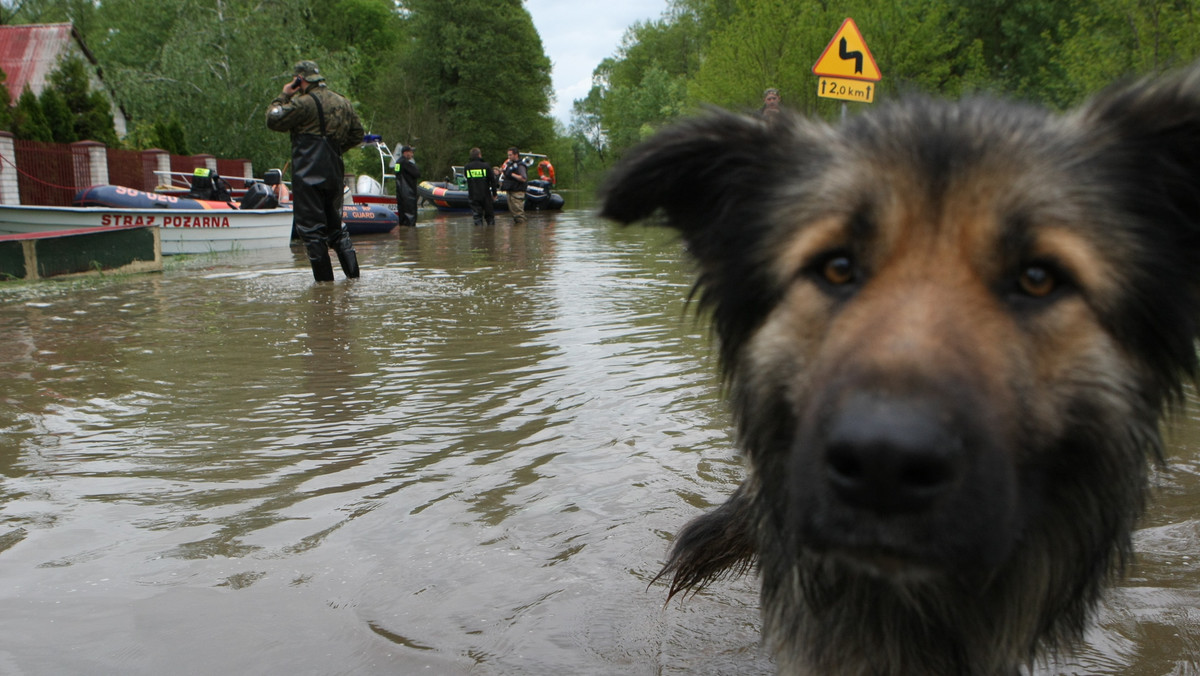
(537, 191)
(259, 196)
(273, 178)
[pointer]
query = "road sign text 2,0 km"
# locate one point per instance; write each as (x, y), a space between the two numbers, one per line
(847, 90)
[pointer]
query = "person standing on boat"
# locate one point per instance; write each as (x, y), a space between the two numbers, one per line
(407, 176)
(323, 126)
(481, 188)
(513, 183)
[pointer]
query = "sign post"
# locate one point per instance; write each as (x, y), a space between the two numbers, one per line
(846, 69)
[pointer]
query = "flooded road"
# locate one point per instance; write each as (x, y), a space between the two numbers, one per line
(469, 461)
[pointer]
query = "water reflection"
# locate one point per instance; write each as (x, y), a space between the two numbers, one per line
(469, 460)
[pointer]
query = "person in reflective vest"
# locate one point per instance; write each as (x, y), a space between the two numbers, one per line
(481, 188)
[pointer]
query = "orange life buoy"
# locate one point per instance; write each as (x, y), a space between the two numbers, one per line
(546, 171)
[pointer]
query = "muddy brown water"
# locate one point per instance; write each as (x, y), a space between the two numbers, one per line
(469, 461)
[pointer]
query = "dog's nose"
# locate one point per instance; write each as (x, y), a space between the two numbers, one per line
(891, 455)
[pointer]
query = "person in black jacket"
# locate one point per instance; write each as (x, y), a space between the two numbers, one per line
(323, 126)
(481, 188)
(515, 177)
(407, 176)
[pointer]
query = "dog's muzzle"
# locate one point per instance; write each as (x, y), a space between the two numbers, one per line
(916, 479)
(890, 455)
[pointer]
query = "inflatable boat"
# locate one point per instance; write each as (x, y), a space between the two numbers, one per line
(360, 219)
(451, 197)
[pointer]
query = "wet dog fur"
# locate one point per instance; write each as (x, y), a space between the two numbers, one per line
(949, 332)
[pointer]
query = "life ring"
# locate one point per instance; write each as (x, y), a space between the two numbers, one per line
(546, 171)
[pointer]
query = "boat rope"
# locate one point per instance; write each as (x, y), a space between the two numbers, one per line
(31, 177)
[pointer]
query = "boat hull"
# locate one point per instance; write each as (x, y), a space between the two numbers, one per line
(360, 219)
(369, 219)
(183, 231)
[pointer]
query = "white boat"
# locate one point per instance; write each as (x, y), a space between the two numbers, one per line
(184, 231)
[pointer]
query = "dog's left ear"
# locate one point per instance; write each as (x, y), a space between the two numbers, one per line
(1151, 130)
(1148, 140)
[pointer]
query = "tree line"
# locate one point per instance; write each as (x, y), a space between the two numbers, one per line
(442, 75)
(446, 75)
(727, 52)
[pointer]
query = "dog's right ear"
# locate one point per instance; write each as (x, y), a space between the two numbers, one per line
(708, 176)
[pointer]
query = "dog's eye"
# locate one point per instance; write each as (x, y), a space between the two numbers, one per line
(838, 270)
(1037, 281)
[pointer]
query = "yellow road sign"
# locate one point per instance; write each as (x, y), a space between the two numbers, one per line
(847, 90)
(847, 56)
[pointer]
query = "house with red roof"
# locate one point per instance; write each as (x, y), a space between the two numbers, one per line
(30, 53)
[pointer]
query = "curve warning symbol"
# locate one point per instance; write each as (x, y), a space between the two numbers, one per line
(847, 56)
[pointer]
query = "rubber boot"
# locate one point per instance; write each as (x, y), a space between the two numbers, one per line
(322, 268)
(348, 259)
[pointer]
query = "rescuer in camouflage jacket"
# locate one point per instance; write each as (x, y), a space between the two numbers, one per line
(323, 126)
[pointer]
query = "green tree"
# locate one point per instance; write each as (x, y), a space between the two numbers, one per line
(74, 111)
(482, 65)
(1112, 39)
(213, 66)
(400, 110)
(169, 136)
(6, 110)
(28, 121)
(58, 116)
(1018, 40)
(707, 15)
(919, 45)
(644, 87)
(768, 43)
(79, 13)
(370, 30)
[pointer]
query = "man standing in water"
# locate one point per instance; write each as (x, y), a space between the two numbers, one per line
(513, 183)
(407, 175)
(481, 188)
(323, 126)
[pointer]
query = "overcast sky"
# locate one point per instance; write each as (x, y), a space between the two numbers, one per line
(578, 34)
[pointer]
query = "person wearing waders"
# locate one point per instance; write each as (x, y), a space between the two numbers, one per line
(407, 176)
(323, 126)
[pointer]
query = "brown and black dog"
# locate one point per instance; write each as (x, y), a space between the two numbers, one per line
(950, 331)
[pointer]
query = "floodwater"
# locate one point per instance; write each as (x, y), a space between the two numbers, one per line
(469, 461)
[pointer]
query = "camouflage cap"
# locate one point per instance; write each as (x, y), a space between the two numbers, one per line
(309, 71)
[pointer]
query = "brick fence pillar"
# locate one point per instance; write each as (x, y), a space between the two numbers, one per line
(207, 160)
(156, 160)
(9, 192)
(91, 163)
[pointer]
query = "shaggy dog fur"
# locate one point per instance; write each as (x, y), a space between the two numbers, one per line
(949, 332)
